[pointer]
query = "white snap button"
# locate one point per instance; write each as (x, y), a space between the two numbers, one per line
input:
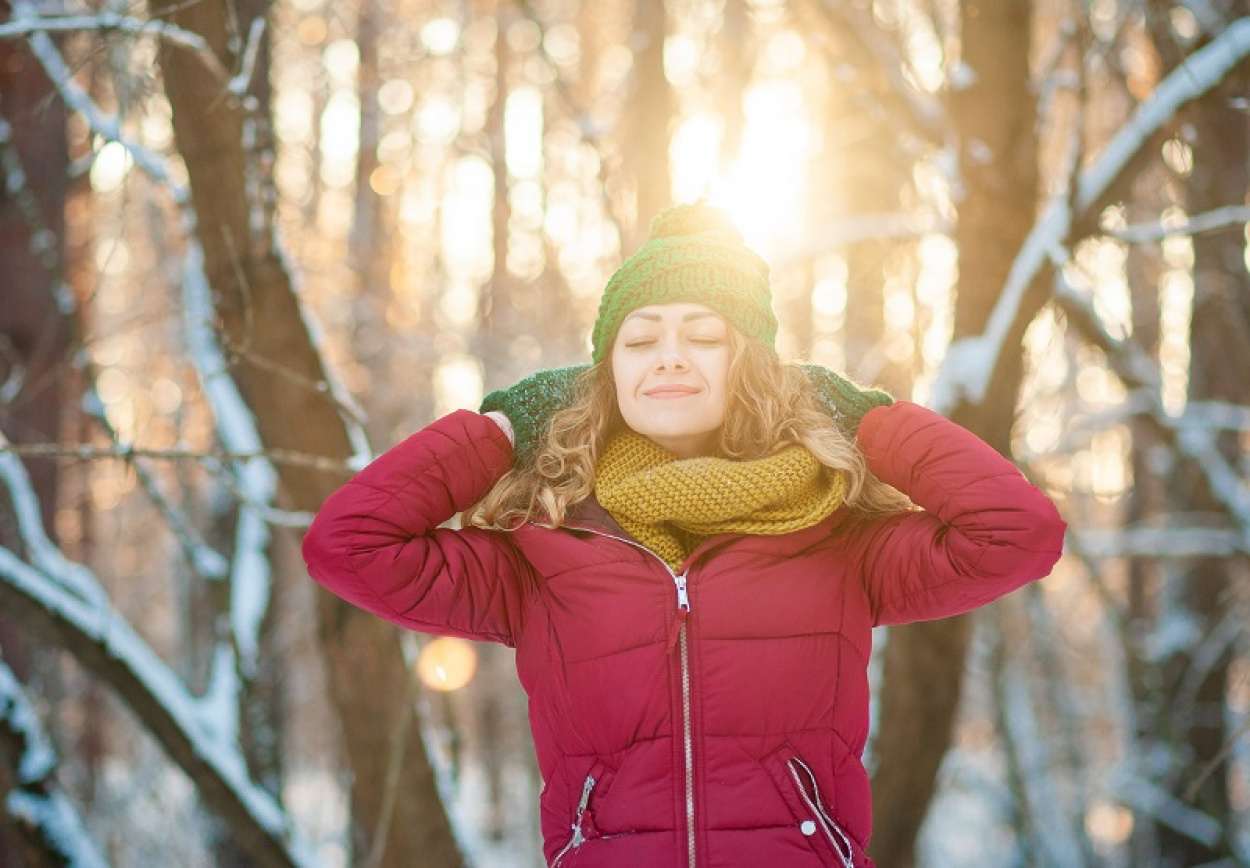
(807, 827)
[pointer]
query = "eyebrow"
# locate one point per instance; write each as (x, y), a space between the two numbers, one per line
(655, 317)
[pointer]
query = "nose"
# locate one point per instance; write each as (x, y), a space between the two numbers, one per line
(671, 357)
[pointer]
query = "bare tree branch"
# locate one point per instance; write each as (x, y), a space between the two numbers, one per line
(47, 595)
(966, 370)
(107, 22)
(126, 452)
(48, 822)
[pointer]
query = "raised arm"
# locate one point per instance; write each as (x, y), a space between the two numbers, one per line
(985, 529)
(376, 541)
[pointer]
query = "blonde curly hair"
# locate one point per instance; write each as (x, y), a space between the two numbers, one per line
(770, 405)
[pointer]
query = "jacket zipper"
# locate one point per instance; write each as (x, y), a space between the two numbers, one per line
(816, 805)
(687, 735)
(579, 837)
(683, 611)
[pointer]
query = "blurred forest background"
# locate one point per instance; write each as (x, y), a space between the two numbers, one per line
(245, 244)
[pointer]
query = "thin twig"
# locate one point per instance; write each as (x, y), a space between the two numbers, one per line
(1207, 221)
(1191, 792)
(108, 127)
(106, 22)
(128, 452)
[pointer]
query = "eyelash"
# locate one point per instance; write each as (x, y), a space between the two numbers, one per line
(703, 341)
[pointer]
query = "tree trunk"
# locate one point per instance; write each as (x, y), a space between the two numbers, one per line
(1185, 712)
(648, 117)
(35, 334)
(924, 663)
(495, 322)
(279, 373)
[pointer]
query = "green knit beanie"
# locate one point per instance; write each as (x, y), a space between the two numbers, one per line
(694, 254)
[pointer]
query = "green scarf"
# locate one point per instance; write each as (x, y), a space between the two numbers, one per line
(670, 505)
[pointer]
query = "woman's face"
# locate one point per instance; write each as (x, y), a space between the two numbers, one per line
(670, 363)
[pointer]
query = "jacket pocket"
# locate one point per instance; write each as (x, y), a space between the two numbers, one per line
(797, 784)
(583, 826)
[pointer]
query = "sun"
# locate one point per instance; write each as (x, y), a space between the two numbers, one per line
(763, 186)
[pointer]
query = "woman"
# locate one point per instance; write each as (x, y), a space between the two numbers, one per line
(688, 543)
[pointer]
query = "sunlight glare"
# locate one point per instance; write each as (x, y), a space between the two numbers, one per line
(447, 663)
(342, 59)
(682, 57)
(694, 152)
(1176, 300)
(437, 121)
(457, 383)
(1108, 823)
(340, 139)
(293, 115)
(763, 189)
(396, 96)
(441, 36)
(1103, 262)
(466, 208)
(109, 167)
(829, 296)
(523, 132)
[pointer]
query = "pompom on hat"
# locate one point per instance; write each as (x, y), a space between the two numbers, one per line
(694, 254)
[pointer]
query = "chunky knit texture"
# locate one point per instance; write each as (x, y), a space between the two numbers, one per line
(846, 402)
(671, 505)
(531, 403)
(694, 254)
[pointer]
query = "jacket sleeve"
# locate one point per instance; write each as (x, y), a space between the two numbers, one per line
(984, 530)
(376, 541)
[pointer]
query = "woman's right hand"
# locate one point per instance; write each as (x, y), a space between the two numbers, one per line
(530, 404)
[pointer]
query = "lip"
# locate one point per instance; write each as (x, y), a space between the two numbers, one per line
(673, 391)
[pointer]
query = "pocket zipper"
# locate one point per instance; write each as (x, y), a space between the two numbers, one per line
(837, 838)
(578, 837)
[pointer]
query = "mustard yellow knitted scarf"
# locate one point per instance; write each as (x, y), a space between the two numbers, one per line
(671, 505)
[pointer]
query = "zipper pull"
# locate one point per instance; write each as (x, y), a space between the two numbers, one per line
(586, 788)
(578, 837)
(683, 599)
(683, 611)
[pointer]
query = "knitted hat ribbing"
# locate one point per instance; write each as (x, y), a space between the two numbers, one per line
(694, 254)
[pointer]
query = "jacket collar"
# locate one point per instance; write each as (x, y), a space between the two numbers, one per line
(590, 516)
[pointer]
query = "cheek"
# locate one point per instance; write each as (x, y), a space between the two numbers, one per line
(718, 374)
(623, 382)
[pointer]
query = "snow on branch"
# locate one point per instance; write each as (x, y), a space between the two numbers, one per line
(65, 597)
(1193, 224)
(104, 125)
(854, 230)
(205, 561)
(105, 22)
(129, 452)
(922, 112)
(35, 801)
(965, 372)
(1133, 366)
(32, 24)
(251, 580)
(73, 578)
(1144, 795)
(106, 645)
(1153, 542)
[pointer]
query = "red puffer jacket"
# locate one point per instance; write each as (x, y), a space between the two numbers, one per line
(712, 717)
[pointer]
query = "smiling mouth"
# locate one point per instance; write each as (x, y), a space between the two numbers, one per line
(671, 392)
